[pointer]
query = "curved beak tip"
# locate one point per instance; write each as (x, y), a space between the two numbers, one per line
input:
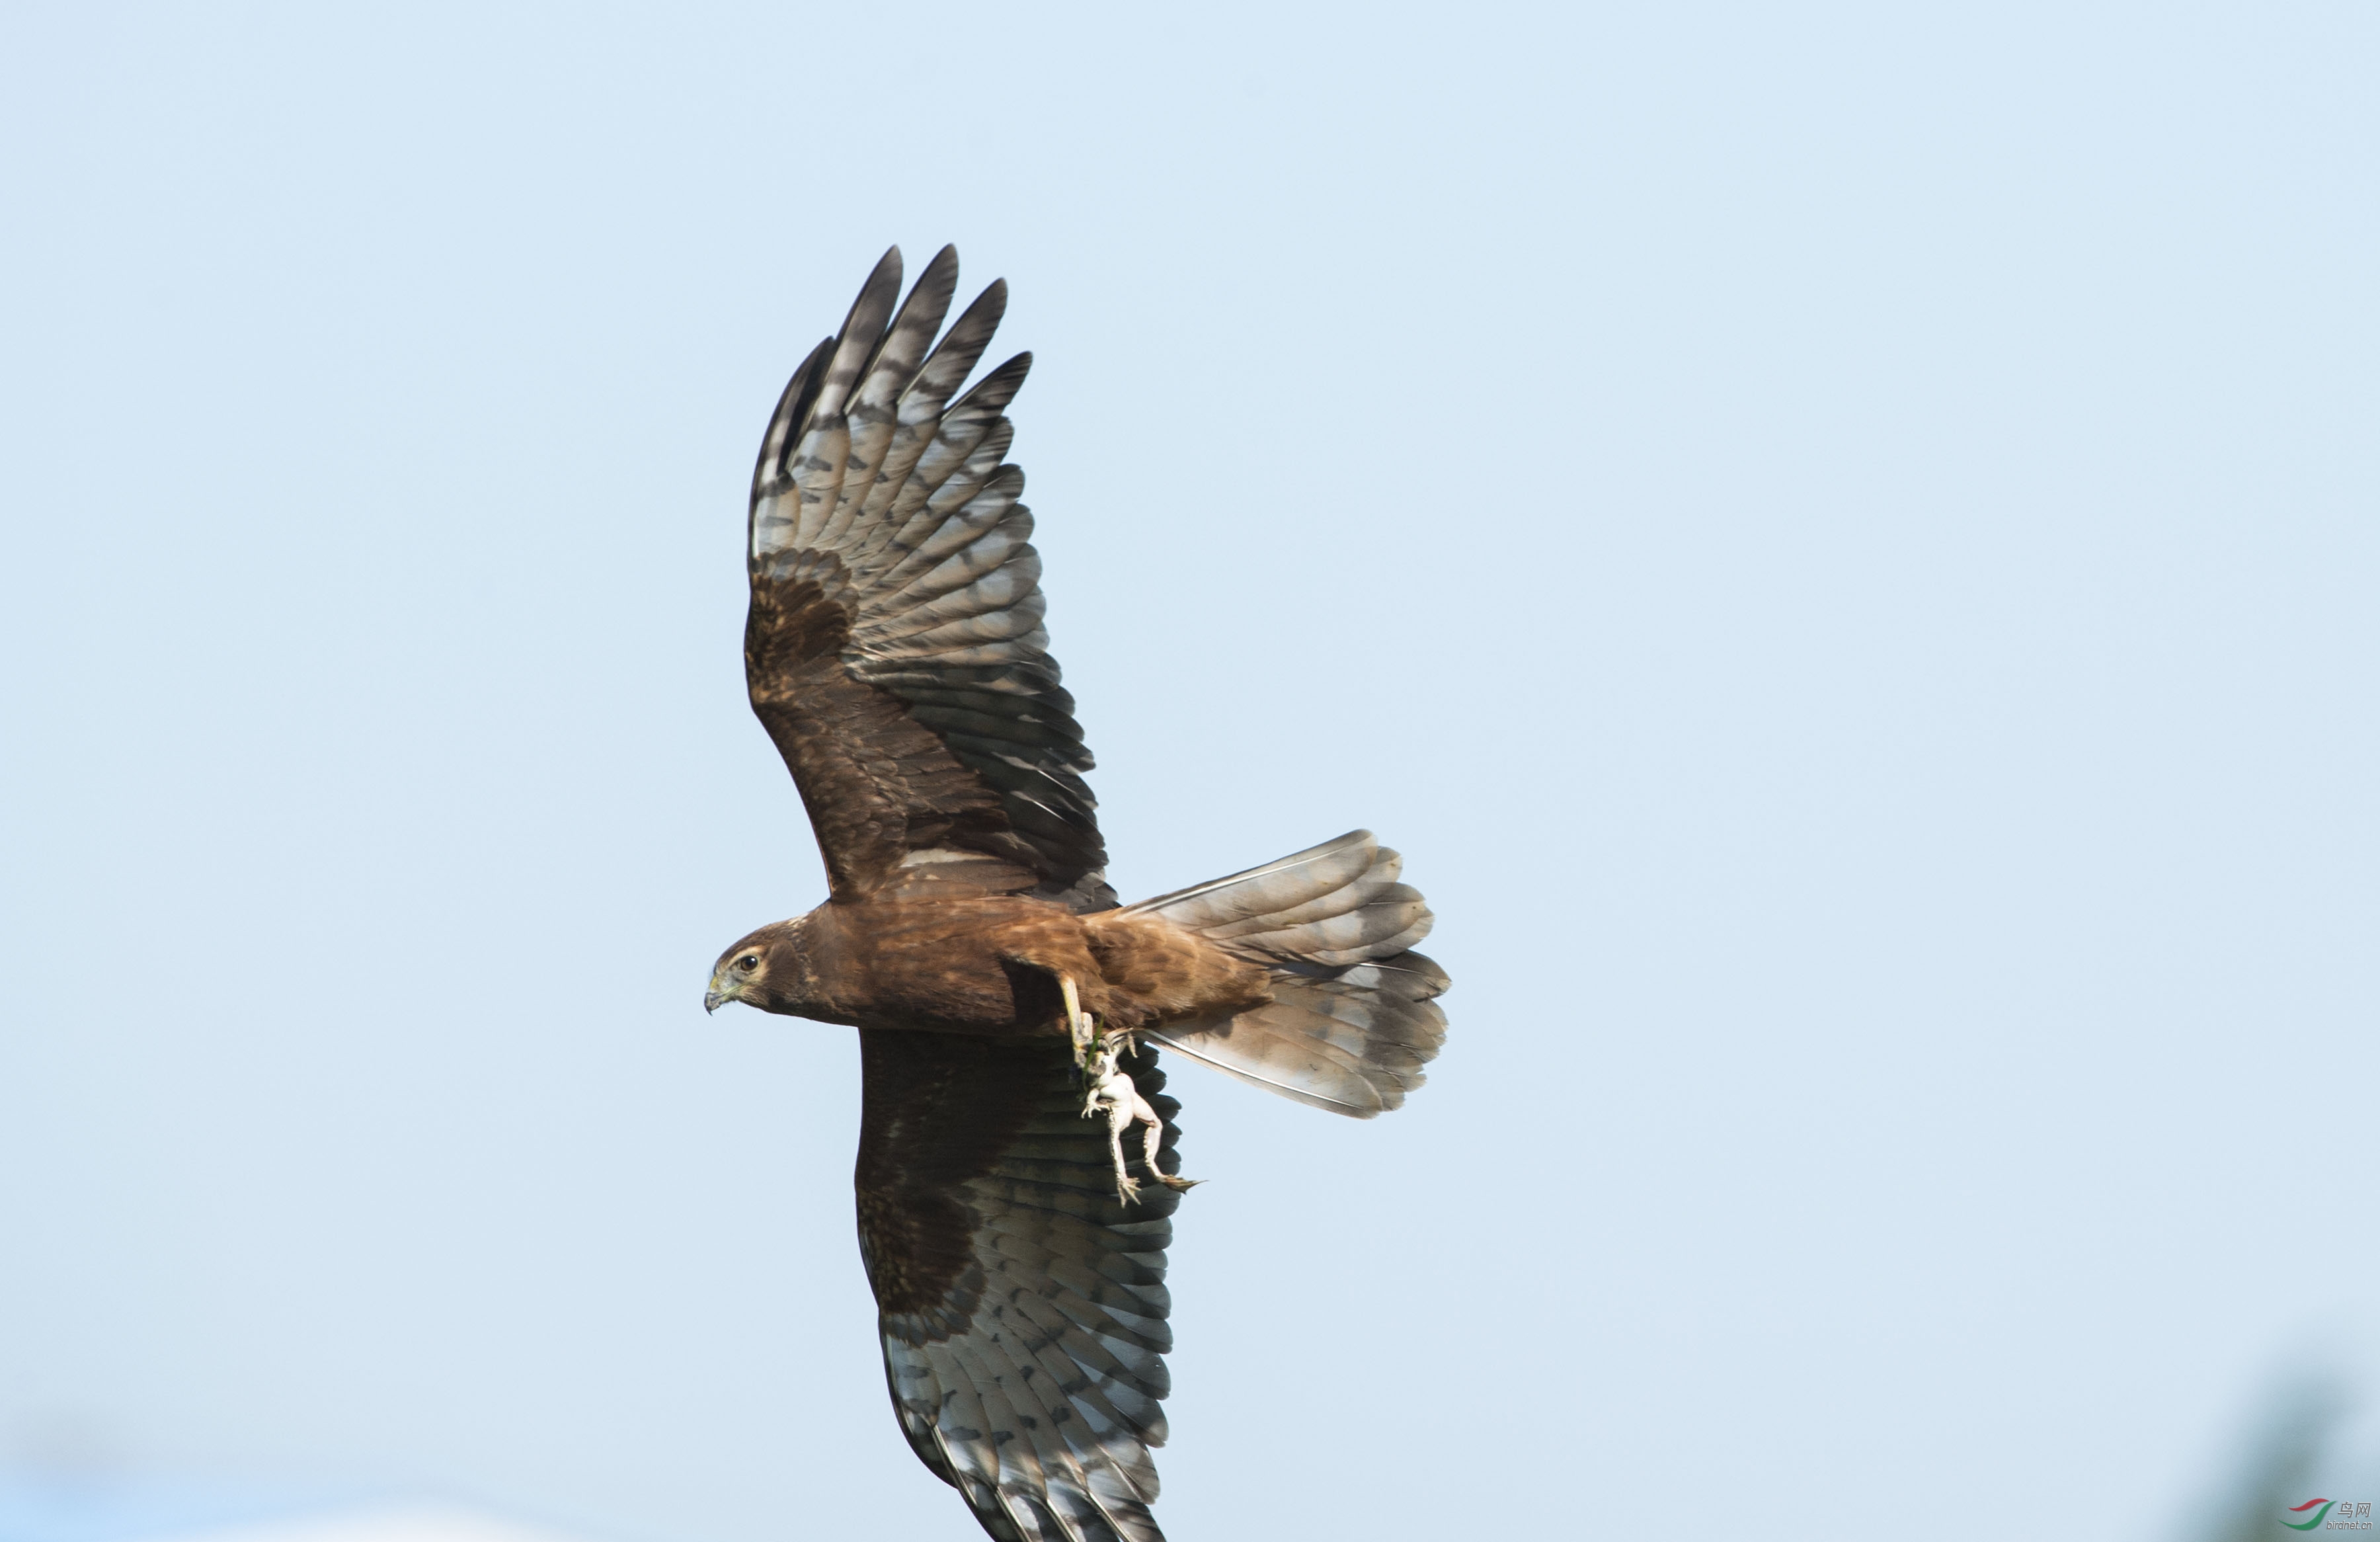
(711, 1000)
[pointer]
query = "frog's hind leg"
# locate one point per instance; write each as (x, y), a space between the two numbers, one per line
(1150, 1140)
(1120, 1116)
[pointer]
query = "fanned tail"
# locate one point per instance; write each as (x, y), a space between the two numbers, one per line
(1353, 1016)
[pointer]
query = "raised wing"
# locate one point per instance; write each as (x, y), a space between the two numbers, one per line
(894, 648)
(1022, 1304)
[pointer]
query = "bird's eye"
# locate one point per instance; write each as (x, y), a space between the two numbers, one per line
(748, 962)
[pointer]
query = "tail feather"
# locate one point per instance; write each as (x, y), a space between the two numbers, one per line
(1352, 1019)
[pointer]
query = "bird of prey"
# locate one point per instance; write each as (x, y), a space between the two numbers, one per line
(1016, 1152)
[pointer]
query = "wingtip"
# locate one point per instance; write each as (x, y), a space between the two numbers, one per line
(883, 283)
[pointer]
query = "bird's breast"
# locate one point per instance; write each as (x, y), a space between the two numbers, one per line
(972, 965)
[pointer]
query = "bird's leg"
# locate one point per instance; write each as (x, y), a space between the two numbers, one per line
(1078, 1024)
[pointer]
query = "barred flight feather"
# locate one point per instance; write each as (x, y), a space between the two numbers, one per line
(887, 536)
(1025, 1364)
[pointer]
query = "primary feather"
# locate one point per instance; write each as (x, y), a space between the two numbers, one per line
(896, 651)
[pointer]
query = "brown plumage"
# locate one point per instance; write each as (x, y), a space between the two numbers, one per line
(895, 655)
(986, 964)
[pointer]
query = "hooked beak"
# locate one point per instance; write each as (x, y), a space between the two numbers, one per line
(711, 1000)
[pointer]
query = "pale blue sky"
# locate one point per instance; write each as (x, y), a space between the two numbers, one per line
(1839, 539)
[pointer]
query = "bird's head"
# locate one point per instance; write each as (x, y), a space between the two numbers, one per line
(763, 970)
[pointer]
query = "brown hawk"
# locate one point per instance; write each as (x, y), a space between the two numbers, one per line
(1007, 1006)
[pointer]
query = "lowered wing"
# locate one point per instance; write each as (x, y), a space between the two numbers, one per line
(1022, 1304)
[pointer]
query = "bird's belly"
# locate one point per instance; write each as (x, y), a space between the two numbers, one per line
(979, 997)
(981, 968)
